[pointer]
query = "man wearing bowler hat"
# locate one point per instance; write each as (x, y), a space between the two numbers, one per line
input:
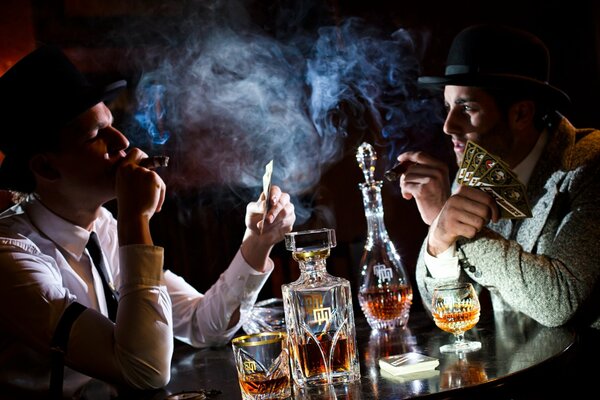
(84, 294)
(497, 95)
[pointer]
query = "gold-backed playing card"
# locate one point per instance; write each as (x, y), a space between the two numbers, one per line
(492, 175)
(467, 156)
(512, 200)
(498, 174)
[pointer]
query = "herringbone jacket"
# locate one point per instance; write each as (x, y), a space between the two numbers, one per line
(547, 266)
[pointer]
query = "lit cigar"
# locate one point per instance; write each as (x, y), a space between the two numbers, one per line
(154, 162)
(394, 173)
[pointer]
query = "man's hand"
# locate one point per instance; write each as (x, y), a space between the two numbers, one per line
(427, 181)
(280, 219)
(140, 193)
(464, 214)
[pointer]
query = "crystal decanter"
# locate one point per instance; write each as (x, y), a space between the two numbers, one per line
(385, 293)
(318, 314)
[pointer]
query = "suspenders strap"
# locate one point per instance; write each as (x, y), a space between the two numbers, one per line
(58, 348)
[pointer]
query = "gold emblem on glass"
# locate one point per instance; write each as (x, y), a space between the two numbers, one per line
(262, 362)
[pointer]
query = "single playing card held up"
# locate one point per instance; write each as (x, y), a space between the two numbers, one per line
(267, 178)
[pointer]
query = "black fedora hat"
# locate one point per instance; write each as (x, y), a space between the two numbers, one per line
(40, 94)
(497, 56)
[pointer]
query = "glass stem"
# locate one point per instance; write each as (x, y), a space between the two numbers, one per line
(460, 338)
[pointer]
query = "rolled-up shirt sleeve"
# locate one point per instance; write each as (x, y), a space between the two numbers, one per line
(201, 320)
(144, 320)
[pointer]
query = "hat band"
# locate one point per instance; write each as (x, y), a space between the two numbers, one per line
(459, 69)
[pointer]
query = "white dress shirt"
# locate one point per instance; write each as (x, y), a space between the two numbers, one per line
(45, 267)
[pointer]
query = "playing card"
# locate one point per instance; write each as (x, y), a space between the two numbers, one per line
(468, 155)
(484, 162)
(498, 174)
(491, 174)
(473, 171)
(512, 200)
(267, 177)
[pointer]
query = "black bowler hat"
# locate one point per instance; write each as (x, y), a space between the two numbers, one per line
(40, 94)
(496, 56)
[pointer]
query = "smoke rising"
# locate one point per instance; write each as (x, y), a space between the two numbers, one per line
(223, 95)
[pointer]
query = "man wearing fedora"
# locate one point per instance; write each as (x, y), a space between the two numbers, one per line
(80, 288)
(497, 95)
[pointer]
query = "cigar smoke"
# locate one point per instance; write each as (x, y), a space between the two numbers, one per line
(229, 89)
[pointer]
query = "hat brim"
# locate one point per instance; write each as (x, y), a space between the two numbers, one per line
(557, 97)
(94, 96)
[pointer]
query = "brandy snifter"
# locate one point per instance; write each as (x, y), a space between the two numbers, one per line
(455, 309)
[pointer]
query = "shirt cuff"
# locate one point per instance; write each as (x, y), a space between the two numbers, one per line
(445, 265)
(245, 282)
(141, 265)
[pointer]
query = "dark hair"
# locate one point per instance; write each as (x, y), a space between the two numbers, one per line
(25, 179)
(545, 114)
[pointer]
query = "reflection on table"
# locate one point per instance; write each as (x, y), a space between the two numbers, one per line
(512, 345)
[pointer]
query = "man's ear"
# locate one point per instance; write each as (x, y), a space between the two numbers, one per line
(522, 113)
(42, 167)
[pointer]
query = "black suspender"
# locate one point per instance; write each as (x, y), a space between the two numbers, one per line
(58, 348)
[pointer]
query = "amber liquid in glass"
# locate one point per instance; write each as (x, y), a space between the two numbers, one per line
(314, 363)
(259, 383)
(456, 322)
(386, 305)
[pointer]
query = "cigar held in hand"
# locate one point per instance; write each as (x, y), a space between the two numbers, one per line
(154, 162)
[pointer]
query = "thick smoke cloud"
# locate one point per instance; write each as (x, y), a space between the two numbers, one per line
(224, 95)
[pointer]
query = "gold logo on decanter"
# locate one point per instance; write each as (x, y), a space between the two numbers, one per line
(312, 302)
(249, 366)
(322, 314)
(383, 273)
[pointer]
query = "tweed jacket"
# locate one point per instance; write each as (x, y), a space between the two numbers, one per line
(546, 266)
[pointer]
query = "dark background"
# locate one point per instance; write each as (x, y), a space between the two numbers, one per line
(201, 228)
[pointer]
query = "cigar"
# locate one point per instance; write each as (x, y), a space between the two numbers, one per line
(394, 173)
(154, 162)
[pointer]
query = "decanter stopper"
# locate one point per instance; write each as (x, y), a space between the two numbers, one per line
(366, 157)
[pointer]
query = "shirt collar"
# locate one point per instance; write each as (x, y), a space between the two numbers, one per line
(65, 234)
(525, 167)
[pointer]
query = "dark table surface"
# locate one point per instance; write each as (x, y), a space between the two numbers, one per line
(513, 347)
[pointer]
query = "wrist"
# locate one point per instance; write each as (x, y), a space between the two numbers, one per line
(134, 231)
(256, 252)
(436, 247)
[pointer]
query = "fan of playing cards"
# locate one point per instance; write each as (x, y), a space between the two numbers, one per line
(492, 175)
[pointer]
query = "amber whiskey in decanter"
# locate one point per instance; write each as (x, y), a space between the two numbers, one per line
(319, 315)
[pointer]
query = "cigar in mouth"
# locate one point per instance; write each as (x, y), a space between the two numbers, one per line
(394, 173)
(154, 162)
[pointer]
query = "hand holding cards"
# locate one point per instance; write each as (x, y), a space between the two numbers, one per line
(492, 175)
(267, 177)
